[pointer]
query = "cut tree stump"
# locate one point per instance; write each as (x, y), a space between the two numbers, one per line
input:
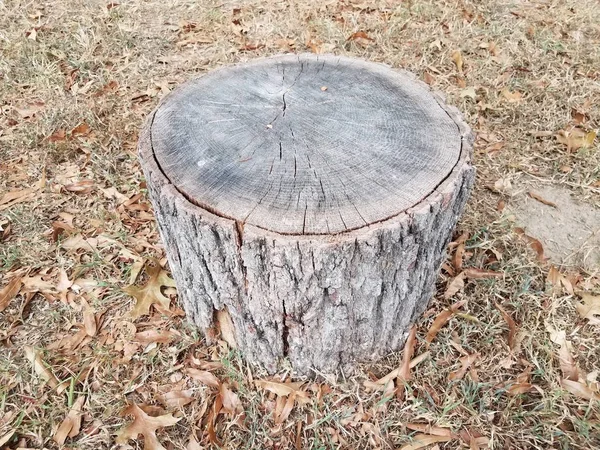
(305, 203)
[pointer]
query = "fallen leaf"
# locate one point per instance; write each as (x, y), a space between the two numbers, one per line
(37, 283)
(590, 308)
(512, 327)
(145, 425)
(177, 399)
(281, 389)
(458, 60)
(57, 136)
(429, 429)
(409, 348)
(559, 281)
(468, 92)
(428, 78)
(567, 364)
(203, 377)
(155, 336)
(225, 327)
(89, 318)
(359, 35)
(39, 366)
(541, 199)
(466, 362)
(512, 96)
(441, 320)
(519, 388)
(11, 198)
(9, 292)
(83, 129)
(580, 390)
(80, 187)
(576, 138)
(151, 293)
(284, 407)
(457, 284)
(71, 425)
(535, 244)
(423, 440)
(502, 186)
(457, 259)
(476, 274)
(231, 402)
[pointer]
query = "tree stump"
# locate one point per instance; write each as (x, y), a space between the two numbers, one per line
(305, 204)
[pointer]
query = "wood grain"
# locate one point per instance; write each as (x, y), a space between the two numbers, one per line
(266, 144)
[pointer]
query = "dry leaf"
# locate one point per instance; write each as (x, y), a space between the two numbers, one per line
(558, 280)
(466, 362)
(281, 389)
(512, 97)
(457, 259)
(535, 244)
(155, 336)
(83, 129)
(11, 198)
(567, 363)
(71, 425)
(9, 292)
(519, 388)
(576, 138)
(151, 293)
(541, 199)
(580, 390)
(145, 425)
(360, 36)
(428, 78)
(89, 318)
(225, 327)
(203, 377)
(409, 348)
(285, 406)
(458, 60)
(177, 399)
(39, 366)
(423, 440)
(57, 136)
(590, 308)
(231, 402)
(429, 429)
(476, 274)
(512, 327)
(441, 320)
(37, 283)
(80, 187)
(456, 285)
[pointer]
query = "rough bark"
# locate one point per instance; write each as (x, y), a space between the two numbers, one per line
(322, 300)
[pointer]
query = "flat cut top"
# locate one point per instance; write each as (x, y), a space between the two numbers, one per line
(305, 144)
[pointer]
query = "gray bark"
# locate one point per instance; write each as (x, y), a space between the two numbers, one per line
(321, 300)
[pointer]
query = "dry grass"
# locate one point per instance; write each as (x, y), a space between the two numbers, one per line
(64, 63)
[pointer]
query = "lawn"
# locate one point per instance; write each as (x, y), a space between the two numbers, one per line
(507, 354)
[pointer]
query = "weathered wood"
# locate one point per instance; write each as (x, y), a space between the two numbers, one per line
(305, 203)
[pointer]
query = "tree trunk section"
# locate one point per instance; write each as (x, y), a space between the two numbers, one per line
(305, 204)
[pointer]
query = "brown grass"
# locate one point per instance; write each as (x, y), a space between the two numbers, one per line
(65, 63)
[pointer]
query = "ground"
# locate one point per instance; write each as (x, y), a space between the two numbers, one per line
(77, 366)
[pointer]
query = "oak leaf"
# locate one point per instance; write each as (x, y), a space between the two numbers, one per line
(145, 425)
(72, 424)
(590, 308)
(9, 292)
(150, 294)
